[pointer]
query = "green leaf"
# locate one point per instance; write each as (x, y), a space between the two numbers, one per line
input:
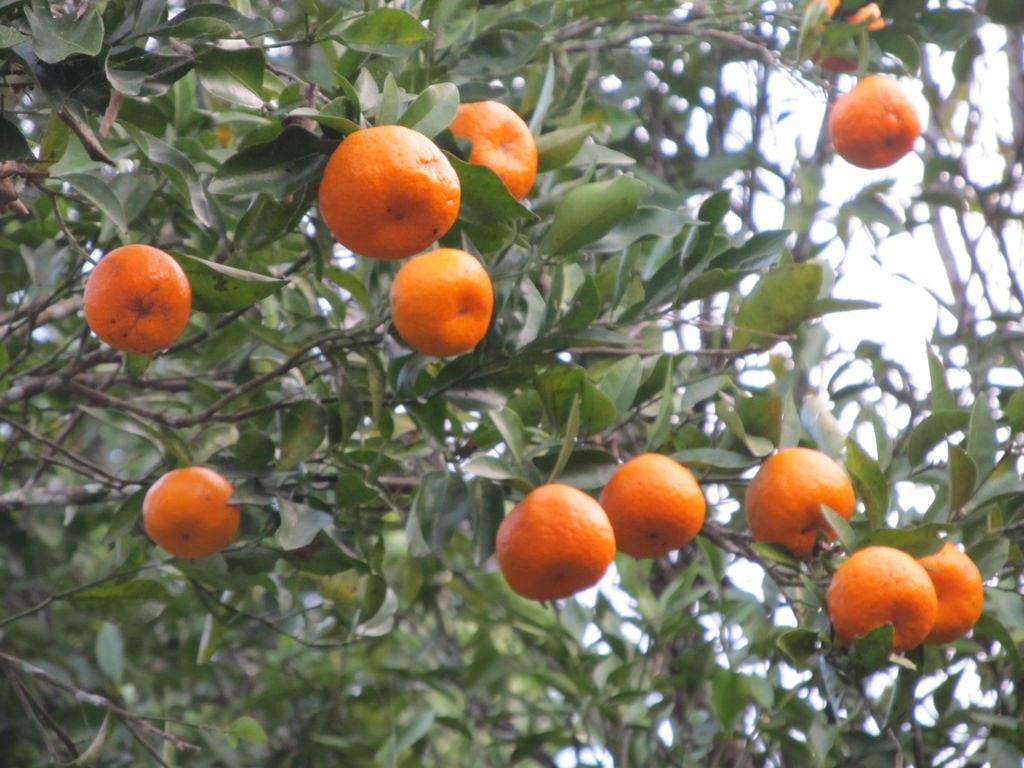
(587, 212)
(138, 72)
(963, 476)
(267, 220)
(934, 428)
(557, 148)
(110, 652)
(10, 37)
(782, 300)
(210, 640)
(871, 652)
(92, 753)
(485, 198)
(407, 735)
(919, 540)
(799, 646)
(560, 386)
(284, 166)
(56, 38)
(488, 510)
(100, 194)
(236, 76)
(512, 432)
(822, 425)
(13, 145)
(220, 288)
(982, 442)
(433, 110)
(387, 32)
(585, 468)
(246, 728)
(1014, 410)
(715, 458)
(182, 174)
(990, 555)
(941, 397)
(441, 504)
(869, 482)
(844, 533)
(620, 382)
(211, 21)
(761, 416)
(759, 251)
(136, 590)
(300, 524)
(949, 29)
(302, 431)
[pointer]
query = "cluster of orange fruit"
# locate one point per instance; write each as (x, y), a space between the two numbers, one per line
(387, 192)
(874, 124)
(558, 540)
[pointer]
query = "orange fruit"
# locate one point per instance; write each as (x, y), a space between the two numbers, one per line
(874, 124)
(654, 504)
(501, 140)
(870, 15)
(441, 302)
(186, 512)
(784, 499)
(554, 543)
(959, 588)
(882, 585)
(137, 299)
(388, 192)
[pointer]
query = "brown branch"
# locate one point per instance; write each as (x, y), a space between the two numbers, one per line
(83, 696)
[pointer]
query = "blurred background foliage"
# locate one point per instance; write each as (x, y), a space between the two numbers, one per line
(686, 277)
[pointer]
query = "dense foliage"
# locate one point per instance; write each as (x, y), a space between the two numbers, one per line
(669, 285)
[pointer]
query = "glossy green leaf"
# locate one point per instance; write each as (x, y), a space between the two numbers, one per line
(302, 431)
(213, 21)
(441, 505)
(933, 429)
(220, 288)
(781, 302)
(300, 524)
(963, 476)
(557, 148)
(246, 728)
(110, 652)
(279, 168)
(58, 37)
(869, 483)
(13, 145)
(587, 212)
(236, 76)
(432, 110)
(387, 32)
(871, 652)
(99, 194)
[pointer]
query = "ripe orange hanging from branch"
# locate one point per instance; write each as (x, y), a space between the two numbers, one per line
(501, 140)
(784, 499)
(960, 592)
(186, 512)
(388, 192)
(137, 299)
(441, 302)
(655, 505)
(874, 124)
(882, 585)
(554, 543)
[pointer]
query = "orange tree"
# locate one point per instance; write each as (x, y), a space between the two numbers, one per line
(692, 273)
